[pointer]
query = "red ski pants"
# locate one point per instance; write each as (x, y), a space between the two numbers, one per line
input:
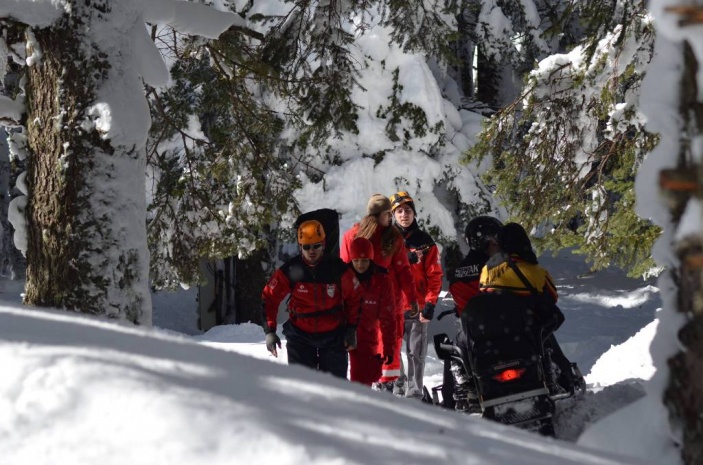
(364, 366)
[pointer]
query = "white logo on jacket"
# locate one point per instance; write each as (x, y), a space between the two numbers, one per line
(330, 290)
(466, 271)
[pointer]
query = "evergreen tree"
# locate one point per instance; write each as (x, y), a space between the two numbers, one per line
(565, 154)
(219, 179)
(85, 199)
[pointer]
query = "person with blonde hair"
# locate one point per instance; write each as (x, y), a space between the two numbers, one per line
(389, 252)
(323, 308)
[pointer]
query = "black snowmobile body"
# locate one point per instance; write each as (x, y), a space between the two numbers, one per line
(512, 376)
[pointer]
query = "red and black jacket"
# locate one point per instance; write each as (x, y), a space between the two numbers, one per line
(323, 297)
(427, 270)
(464, 282)
(396, 264)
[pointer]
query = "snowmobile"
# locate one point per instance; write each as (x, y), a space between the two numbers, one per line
(513, 380)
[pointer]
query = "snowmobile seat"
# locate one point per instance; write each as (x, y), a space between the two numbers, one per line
(494, 316)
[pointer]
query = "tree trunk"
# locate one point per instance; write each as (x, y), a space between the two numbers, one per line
(488, 80)
(465, 49)
(86, 212)
(684, 394)
(251, 279)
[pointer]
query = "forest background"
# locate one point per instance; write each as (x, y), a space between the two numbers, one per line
(527, 109)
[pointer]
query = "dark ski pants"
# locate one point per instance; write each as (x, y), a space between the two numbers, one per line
(454, 374)
(558, 357)
(319, 351)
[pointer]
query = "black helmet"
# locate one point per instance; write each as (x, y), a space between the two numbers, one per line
(479, 230)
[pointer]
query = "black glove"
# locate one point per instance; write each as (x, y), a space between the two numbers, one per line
(350, 338)
(388, 359)
(428, 311)
(412, 257)
(272, 340)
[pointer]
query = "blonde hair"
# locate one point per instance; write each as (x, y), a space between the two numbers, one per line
(389, 236)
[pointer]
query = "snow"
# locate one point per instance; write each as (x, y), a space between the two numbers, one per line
(10, 109)
(191, 18)
(79, 390)
(40, 13)
(628, 357)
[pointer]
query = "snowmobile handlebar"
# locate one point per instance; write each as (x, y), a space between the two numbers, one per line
(445, 313)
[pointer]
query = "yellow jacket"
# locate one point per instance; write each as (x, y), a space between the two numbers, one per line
(497, 276)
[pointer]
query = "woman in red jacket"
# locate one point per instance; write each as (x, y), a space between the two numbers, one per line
(389, 252)
(377, 314)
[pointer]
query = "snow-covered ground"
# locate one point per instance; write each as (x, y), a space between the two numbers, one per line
(81, 390)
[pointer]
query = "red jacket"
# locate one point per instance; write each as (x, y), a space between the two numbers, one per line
(323, 297)
(464, 282)
(427, 271)
(377, 311)
(396, 263)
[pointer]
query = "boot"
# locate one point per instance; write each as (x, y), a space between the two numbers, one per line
(461, 387)
(398, 389)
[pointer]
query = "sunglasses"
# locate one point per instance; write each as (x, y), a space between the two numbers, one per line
(312, 246)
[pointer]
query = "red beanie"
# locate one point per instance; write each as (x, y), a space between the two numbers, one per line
(361, 248)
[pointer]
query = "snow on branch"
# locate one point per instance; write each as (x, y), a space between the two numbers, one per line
(10, 110)
(191, 18)
(40, 13)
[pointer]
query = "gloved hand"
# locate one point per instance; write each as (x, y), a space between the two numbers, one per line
(388, 359)
(350, 338)
(272, 340)
(428, 311)
(412, 257)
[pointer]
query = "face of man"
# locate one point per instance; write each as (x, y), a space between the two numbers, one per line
(404, 215)
(385, 218)
(312, 253)
(361, 264)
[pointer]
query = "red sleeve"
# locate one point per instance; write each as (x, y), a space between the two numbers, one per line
(403, 274)
(433, 273)
(273, 294)
(387, 318)
(344, 247)
(352, 294)
(462, 292)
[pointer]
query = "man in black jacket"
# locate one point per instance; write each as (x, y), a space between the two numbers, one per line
(481, 234)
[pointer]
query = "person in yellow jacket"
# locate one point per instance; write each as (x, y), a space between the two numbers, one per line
(499, 275)
(516, 269)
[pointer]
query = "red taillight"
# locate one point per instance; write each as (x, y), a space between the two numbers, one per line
(509, 375)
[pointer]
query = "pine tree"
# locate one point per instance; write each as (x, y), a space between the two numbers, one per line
(69, 175)
(85, 200)
(566, 153)
(219, 179)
